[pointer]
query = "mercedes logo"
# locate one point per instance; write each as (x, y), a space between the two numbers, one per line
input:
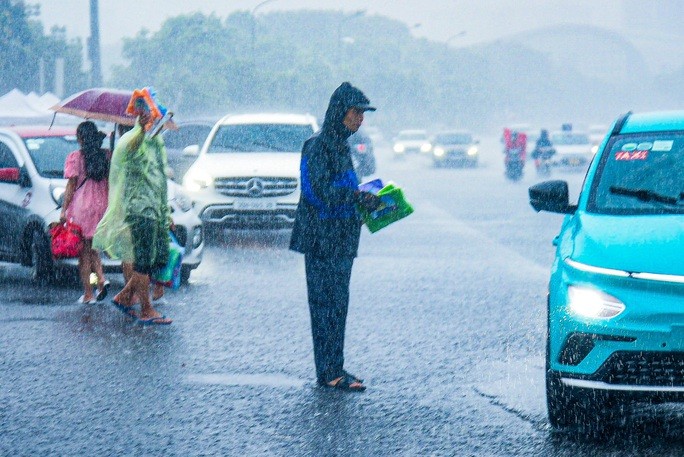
(255, 187)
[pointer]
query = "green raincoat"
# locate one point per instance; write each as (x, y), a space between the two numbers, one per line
(137, 187)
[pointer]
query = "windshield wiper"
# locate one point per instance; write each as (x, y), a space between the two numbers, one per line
(646, 195)
(229, 148)
(53, 173)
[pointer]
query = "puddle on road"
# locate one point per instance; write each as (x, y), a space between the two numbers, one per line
(252, 380)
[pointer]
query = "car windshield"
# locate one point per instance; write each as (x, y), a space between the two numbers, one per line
(186, 135)
(412, 136)
(569, 138)
(642, 174)
(260, 138)
(454, 138)
(49, 153)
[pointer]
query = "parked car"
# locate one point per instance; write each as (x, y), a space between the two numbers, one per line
(454, 147)
(31, 193)
(247, 172)
(597, 133)
(183, 144)
(573, 150)
(411, 141)
(362, 152)
(615, 315)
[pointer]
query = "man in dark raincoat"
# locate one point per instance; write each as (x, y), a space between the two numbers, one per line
(327, 229)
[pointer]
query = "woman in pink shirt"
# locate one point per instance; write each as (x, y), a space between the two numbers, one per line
(85, 202)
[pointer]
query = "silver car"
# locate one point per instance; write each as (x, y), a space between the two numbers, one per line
(32, 185)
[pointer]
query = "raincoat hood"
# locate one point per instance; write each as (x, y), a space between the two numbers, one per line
(345, 96)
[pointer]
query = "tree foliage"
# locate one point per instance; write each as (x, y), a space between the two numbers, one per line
(23, 45)
(294, 60)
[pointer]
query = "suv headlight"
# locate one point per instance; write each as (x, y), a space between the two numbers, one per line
(57, 193)
(399, 147)
(593, 303)
(425, 147)
(472, 150)
(196, 180)
(438, 151)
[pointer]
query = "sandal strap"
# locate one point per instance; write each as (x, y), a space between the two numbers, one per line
(346, 381)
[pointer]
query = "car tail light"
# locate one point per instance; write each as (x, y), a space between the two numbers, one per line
(361, 148)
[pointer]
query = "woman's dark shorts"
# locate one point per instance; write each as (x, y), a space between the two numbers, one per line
(150, 243)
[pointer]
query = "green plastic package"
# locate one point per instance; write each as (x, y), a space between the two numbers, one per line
(393, 207)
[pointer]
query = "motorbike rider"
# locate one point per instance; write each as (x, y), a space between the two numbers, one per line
(543, 151)
(515, 146)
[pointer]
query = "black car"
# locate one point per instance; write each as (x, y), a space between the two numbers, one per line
(190, 133)
(362, 154)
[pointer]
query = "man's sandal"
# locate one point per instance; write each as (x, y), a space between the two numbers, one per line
(346, 382)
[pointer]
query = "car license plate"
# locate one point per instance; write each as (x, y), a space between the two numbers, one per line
(254, 205)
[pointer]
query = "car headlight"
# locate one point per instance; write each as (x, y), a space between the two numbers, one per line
(196, 180)
(593, 303)
(57, 193)
(472, 151)
(594, 149)
(438, 152)
(399, 147)
(183, 201)
(196, 237)
(425, 147)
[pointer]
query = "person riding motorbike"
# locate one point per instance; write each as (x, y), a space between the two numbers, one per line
(542, 153)
(515, 146)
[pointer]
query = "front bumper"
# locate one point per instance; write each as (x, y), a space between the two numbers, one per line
(640, 352)
(217, 210)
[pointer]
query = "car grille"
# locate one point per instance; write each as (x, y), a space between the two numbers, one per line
(645, 369)
(255, 187)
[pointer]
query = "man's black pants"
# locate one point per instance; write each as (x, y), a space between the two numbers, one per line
(327, 282)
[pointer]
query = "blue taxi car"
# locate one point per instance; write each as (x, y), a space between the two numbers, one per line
(616, 292)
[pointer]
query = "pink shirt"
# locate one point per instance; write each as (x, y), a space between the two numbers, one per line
(89, 202)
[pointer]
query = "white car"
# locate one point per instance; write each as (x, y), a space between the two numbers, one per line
(574, 149)
(408, 141)
(247, 172)
(32, 188)
(597, 133)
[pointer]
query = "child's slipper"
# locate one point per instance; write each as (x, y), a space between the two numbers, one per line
(82, 301)
(102, 293)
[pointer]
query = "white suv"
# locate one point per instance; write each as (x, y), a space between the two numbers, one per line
(247, 172)
(32, 187)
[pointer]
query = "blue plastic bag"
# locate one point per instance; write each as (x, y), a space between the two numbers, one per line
(170, 274)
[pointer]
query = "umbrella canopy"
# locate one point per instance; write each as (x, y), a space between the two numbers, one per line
(101, 104)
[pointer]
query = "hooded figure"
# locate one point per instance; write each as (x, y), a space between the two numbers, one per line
(327, 229)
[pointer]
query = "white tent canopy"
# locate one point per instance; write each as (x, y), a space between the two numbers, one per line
(17, 107)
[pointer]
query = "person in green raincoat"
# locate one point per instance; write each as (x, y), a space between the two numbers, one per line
(135, 226)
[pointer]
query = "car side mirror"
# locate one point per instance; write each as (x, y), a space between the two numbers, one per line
(192, 150)
(10, 175)
(551, 196)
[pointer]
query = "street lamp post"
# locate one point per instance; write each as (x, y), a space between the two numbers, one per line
(339, 29)
(457, 35)
(253, 13)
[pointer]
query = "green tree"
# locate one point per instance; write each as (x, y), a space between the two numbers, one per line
(23, 45)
